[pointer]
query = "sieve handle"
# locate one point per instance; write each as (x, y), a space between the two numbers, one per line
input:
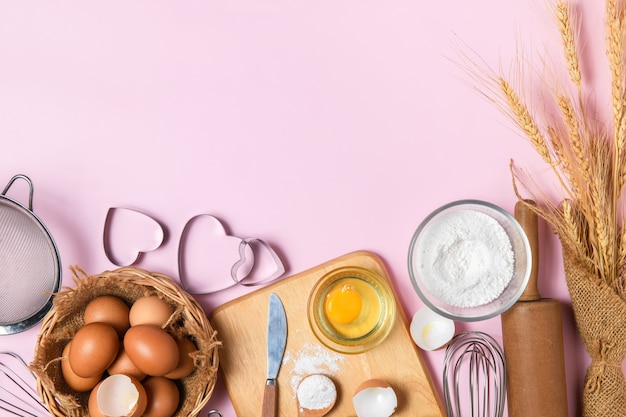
(30, 185)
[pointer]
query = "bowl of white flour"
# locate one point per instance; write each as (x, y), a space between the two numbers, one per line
(469, 260)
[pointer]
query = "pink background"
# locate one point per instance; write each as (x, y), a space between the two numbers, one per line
(322, 127)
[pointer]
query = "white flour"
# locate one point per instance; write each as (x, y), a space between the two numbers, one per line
(312, 359)
(316, 392)
(466, 258)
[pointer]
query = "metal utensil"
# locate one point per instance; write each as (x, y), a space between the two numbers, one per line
(276, 341)
(18, 395)
(31, 266)
(474, 370)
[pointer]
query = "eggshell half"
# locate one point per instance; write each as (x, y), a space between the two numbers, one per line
(375, 398)
(92, 404)
(431, 331)
(121, 396)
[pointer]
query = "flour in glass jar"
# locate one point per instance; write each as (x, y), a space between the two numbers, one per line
(466, 258)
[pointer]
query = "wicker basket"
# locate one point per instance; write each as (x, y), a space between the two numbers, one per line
(66, 317)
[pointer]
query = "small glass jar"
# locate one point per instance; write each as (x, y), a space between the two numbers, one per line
(522, 261)
(351, 309)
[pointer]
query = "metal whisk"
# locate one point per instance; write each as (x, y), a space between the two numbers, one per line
(18, 395)
(474, 371)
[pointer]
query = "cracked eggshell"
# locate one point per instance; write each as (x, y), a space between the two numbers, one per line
(118, 395)
(431, 331)
(92, 404)
(375, 398)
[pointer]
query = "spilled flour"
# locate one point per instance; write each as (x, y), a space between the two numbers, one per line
(311, 359)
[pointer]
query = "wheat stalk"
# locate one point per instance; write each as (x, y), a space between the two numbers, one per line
(524, 119)
(575, 225)
(621, 264)
(567, 220)
(571, 121)
(562, 160)
(615, 28)
(569, 42)
(602, 209)
(588, 158)
(616, 32)
(615, 43)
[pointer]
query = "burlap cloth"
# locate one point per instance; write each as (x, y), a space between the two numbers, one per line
(600, 316)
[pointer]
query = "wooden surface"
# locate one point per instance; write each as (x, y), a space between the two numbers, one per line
(242, 326)
(532, 334)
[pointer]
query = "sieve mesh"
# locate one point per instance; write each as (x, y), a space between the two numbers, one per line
(28, 264)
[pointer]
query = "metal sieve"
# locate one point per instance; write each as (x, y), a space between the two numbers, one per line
(30, 268)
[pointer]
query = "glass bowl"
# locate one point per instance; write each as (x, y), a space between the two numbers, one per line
(469, 260)
(351, 309)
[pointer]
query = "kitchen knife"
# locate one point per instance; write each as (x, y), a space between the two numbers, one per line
(276, 341)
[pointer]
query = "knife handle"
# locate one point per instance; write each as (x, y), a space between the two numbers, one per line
(269, 399)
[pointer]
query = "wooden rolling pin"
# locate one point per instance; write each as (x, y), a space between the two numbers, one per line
(532, 333)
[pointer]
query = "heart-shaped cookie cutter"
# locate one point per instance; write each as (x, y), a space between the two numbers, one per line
(131, 222)
(243, 270)
(279, 267)
(246, 253)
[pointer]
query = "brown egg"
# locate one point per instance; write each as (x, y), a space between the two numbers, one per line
(153, 350)
(108, 309)
(117, 395)
(150, 310)
(186, 364)
(94, 348)
(74, 381)
(123, 365)
(163, 397)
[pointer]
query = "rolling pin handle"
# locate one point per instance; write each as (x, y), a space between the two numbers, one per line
(527, 218)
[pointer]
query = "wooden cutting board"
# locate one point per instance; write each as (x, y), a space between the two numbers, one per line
(242, 326)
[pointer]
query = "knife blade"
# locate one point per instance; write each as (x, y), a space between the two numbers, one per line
(276, 341)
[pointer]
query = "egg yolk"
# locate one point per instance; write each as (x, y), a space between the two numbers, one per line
(343, 305)
(427, 333)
